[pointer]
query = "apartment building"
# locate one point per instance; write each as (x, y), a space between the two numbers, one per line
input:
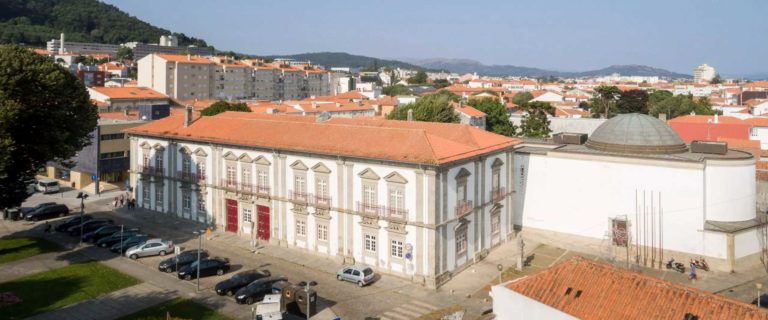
(231, 79)
(414, 199)
(177, 76)
(111, 99)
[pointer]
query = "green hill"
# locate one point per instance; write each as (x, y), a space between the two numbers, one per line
(342, 59)
(33, 22)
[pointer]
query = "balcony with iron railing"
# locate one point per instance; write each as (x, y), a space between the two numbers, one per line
(369, 210)
(262, 190)
(298, 196)
(395, 213)
(321, 201)
(463, 208)
(188, 176)
(151, 170)
(498, 194)
(247, 188)
(229, 184)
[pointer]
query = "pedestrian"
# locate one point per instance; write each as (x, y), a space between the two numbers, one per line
(122, 200)
(692, 275)
(114, 202)
(47, 227)
(133, 203)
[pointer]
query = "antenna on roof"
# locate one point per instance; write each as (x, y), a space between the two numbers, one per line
(323, 117)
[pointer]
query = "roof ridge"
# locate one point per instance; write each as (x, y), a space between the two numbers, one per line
(352, 125)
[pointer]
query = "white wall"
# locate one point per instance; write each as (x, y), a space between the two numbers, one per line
(510, 305)
(730, 191)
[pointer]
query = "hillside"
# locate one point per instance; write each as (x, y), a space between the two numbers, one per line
(341, 59)
(468, 66)
(33, 22)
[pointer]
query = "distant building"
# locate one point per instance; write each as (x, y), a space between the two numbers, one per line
(61, 46)
(703, 73)
(130, 99)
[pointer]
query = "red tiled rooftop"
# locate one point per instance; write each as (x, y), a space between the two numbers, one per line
(401, 141)
(608, 292)
(129, 92)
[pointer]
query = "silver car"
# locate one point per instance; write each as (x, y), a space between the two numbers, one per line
(361, 275)
(150, 248)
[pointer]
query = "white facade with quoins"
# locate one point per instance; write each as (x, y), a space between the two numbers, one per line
(415, 219)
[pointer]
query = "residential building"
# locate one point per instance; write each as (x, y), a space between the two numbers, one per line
(178, 76)
(703, 73)
(469, 115)
(414, 199)
(140, 99)
(61, 46)
(579, 288)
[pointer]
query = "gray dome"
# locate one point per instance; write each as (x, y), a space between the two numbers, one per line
(636, 133)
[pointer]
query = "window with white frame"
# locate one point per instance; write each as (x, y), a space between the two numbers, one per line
(396, 249)
(321, 188)
(495, 222)
(186, 165)
(369, 194)
(201, 203)
(461, 190)
(145, 191)
(461, 240)
(145, 159)
(301, 228)
(186, 200)
(322, 232)
(201, 168)
(159, 161)
(247, 215)
(299, 186)
(496, 179)
(397, 199)
(263, 179)
(231, 176)
(370, 243)
(245, 175)
(159, 195)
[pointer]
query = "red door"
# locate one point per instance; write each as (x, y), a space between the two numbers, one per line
(232, 215)
(263, 221)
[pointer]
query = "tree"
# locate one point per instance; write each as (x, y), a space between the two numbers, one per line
(675, 106)
(396, 90)
(432, 108)
(604, 102)
(535, 124)
(419, 78)
(633, 101)
(716, 80)
(223, 106)
(124, 53)
(440, 83)
(45, 115)
(497, 119)
(521, 98)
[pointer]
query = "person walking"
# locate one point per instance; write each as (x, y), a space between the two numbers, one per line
(692, 275)
(114, 202)
(122, 200)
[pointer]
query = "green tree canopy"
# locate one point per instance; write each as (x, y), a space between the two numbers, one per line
(522, 98)
(222, 106)
(680, 105)
(397, 90)
(633, 101)
(497, 119)
(535, 124)
(440, 83)
(604, 103)
(124, 53)
(432, 108)
(419, 78)
(45, 115)
(716, 80)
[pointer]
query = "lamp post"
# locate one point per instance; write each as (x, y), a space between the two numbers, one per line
(199, 234)
(759, 286)
(82, 196)
(500, 267)
(306, 286)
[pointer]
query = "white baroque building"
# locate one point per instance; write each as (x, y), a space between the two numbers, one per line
(414, 199)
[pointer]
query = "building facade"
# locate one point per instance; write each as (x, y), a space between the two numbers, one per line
(703, 73)
(418, 212)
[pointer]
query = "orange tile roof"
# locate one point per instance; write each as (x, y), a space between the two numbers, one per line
(129, 92)
(470, 111)
(608, 292)
(352, 95)
(185, 58)
(386, 101)
(705, 119)
(401, 141)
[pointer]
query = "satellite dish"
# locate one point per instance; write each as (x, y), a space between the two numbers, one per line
(323, 117)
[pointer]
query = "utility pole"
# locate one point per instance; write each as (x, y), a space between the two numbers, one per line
(82, 196)
(199, 234)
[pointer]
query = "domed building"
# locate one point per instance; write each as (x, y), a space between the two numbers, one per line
(635, 189)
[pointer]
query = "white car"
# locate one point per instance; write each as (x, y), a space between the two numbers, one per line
(151, 247)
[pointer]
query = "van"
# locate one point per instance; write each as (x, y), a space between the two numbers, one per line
(48, 186)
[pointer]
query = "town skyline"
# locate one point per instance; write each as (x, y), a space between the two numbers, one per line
(676, 37)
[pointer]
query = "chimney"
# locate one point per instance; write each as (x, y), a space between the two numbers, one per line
(62, 50)
(125, 112)
(717, 119)
(187, 116)
(314, 104)
(189, 57)
(410, 114)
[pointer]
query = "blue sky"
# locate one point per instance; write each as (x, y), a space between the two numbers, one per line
(732, 36)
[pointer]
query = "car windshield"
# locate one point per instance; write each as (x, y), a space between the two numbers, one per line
(367, 272)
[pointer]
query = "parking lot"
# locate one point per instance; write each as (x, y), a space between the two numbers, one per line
(388, 297)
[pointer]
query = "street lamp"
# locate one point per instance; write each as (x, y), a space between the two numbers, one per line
(306, 286)
(199, 235)
(500, 267)
(82, 196)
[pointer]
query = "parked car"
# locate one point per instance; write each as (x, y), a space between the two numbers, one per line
(255, 291)
(208, 267)
(48, 186)
(74, 221)
(151, 247)
(240, 280)
(88, 226)
(109, 241)
(103, 231)
(127, 243)
(361, 275)
(181, 260)
(37, 207)
(56, 210)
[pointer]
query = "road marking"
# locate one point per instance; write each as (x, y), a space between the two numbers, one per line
(413, 308)
(395, 315)
(425, 305)
(406, 311)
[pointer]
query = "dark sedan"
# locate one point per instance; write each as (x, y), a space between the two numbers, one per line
(208, 267)
(88, 226)
(130, 242)
(255, 291)
(181, 260)
(56, 210)
(37, 207)
(240, 280)
(109, 241)
(103, 231)
(74, 221)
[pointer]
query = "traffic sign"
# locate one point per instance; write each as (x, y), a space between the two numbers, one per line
(93, 177)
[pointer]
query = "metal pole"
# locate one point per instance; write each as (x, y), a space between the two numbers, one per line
(82, 211)
(199, 248)
(307, 291)
(122, 237)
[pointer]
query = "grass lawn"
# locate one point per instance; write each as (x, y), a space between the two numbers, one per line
(179, 309)
(20, 248)
(45, 291)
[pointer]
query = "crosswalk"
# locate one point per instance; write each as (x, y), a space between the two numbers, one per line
(410, 310)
